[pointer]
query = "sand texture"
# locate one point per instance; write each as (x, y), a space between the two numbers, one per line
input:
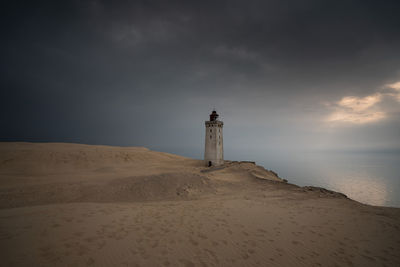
(80, 205)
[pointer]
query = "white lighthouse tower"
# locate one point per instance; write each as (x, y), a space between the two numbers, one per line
(214, 146)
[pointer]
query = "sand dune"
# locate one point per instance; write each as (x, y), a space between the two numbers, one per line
(81, 205)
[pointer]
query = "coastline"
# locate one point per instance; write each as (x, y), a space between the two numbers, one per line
(71, 204)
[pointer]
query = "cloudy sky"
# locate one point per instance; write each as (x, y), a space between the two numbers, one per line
(283, 75)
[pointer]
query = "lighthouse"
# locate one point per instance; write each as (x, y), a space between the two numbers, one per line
(214, 145)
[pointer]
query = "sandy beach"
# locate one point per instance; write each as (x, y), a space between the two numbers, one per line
(82, 205)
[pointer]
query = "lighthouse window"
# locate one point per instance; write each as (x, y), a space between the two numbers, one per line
(210, 136)
(210, 130)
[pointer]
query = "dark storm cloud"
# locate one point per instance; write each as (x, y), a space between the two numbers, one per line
(148, 72)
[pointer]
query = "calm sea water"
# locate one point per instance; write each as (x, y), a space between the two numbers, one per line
(371, 178)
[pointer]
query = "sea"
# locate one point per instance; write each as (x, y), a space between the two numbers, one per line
(368, 177)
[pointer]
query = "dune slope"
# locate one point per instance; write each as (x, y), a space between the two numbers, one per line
(81, 205)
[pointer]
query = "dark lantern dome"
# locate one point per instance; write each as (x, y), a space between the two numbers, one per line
(214, 116)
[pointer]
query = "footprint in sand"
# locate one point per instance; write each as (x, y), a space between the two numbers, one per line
(368, 257)
(187, 263)
(101, 244)
(155, 244)
(90, 262)
(295, 242)
(245, 256)
(194, 242)
(202, 236)
(90, 239)
(280, 251)
(78, 234)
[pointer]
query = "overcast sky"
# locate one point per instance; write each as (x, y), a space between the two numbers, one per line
(283, 75)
